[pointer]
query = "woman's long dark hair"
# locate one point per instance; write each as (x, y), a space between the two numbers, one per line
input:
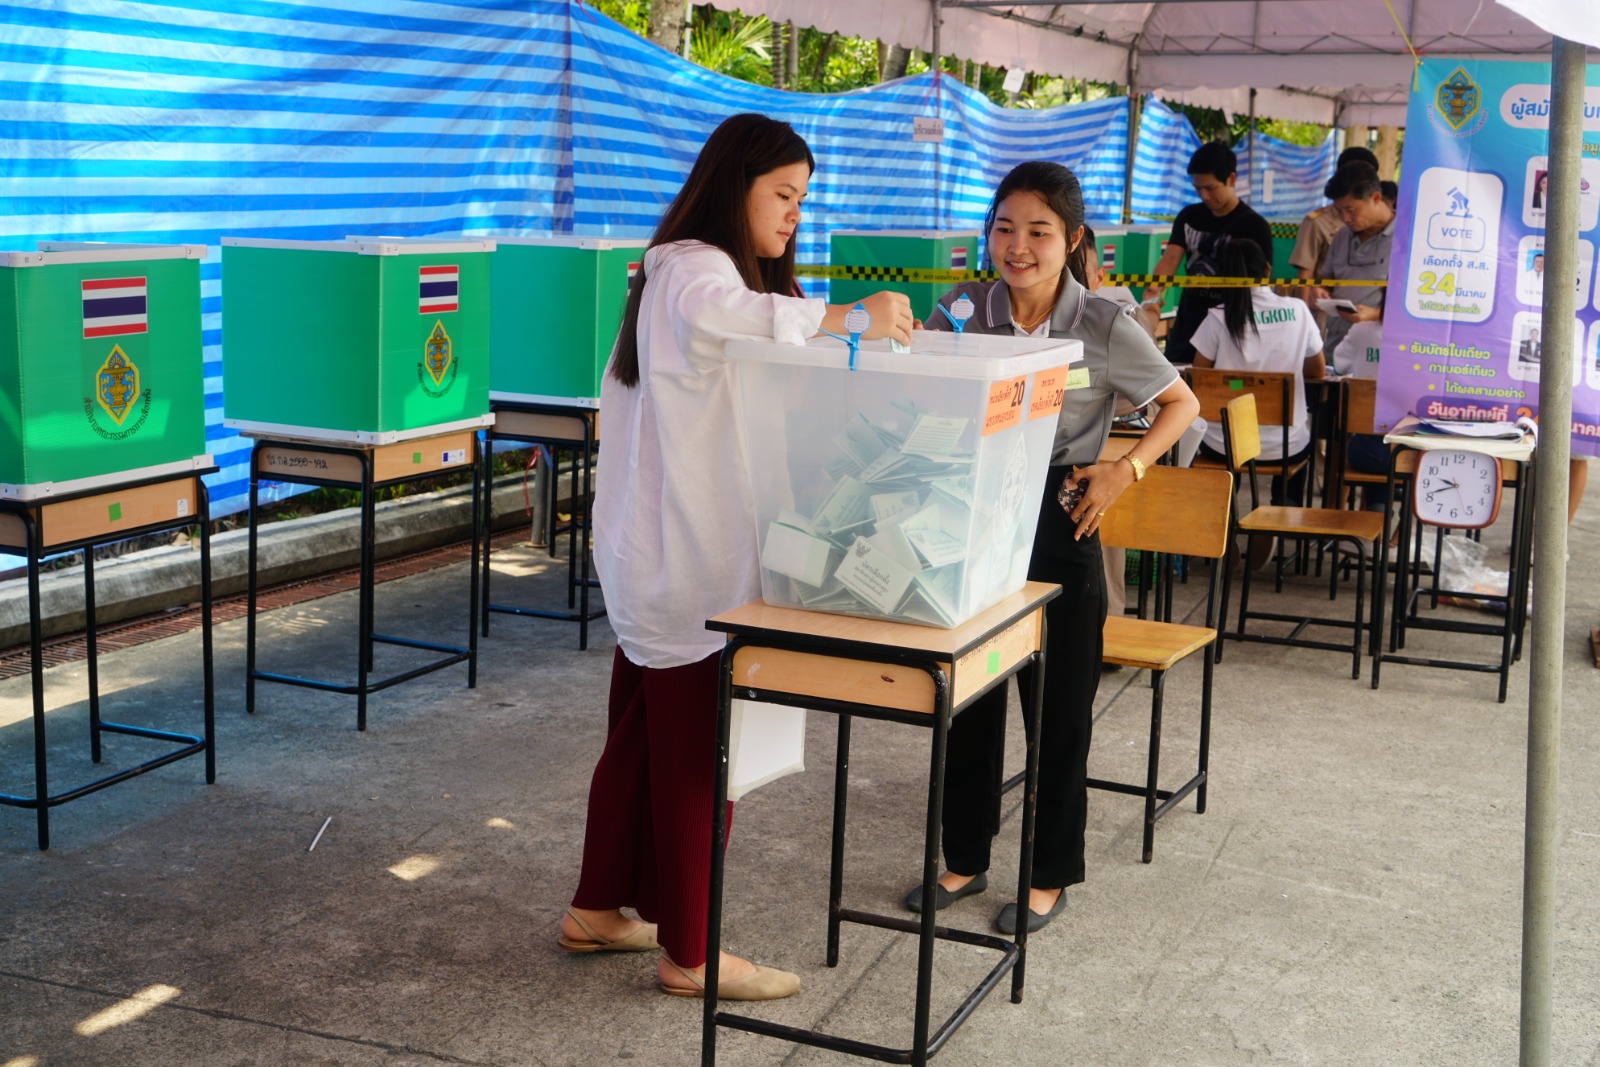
(1238, 257)
(1060, 190)
(711, 208)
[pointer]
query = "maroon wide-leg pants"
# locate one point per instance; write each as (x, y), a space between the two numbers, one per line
(647, 844)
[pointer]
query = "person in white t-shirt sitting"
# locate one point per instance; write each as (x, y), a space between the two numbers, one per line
(1254, 329)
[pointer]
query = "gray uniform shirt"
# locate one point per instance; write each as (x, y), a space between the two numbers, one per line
(1350, 257)
(1119, 359)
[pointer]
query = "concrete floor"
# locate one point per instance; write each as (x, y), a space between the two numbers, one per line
(1352, 895)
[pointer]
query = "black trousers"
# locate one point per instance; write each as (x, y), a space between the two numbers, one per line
(973, 762)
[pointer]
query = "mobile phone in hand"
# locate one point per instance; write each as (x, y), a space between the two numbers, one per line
(1071, 494)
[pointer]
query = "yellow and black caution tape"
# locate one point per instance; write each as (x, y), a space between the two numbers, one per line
(933, 276)
(1203, 282)
(918, 275)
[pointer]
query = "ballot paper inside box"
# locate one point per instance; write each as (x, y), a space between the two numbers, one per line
(909, 487)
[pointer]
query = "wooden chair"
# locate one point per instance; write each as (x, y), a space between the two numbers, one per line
(1241, 436)
(1172, 510)
(1274, 393)
(1358, 414)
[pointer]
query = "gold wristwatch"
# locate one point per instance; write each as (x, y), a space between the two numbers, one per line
(1138, 466)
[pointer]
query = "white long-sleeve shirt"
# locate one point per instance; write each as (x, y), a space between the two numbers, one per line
(674, 525)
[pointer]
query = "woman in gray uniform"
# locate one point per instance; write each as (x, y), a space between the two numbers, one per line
(1034, 239)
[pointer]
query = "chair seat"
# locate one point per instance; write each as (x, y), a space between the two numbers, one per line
(1350, 475)
(1153, 646)
(1313, 522)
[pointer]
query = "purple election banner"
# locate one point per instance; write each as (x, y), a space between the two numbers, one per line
(1461, 330)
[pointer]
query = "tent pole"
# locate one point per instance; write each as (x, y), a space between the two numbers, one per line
(1135, 114)
(1550, 549)
(1250, 143)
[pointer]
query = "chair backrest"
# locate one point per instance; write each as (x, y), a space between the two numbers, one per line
(1179, 510)
(1274, 393)
(1360, 405)
(1241, 433)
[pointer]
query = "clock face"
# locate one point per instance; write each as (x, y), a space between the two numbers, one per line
(1457, 489)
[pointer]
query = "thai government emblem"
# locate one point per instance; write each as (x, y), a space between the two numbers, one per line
(116, 384)
(436, 355)
(1457, 99)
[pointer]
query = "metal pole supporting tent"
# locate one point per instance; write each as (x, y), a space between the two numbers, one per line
(1573, 24)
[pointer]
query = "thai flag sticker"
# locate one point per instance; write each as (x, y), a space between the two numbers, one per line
(633, 268)
(958, 259)
(115, 306)
(438, 289)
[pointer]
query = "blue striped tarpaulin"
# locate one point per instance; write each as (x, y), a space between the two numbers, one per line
(1161, 185)
(189, 120)
(1298, 174)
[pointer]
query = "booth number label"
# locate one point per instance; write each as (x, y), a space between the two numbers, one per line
(1005, 404)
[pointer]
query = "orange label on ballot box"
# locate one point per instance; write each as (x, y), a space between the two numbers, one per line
(1048, 388)
(1005, 405)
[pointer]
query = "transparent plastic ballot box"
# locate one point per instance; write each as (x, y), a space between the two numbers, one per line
(101, 377)
(367, 340)
(955, 250)
(907, 488)
(556, 304)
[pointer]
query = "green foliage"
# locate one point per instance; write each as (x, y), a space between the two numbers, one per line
(634, 14)
(729, 43)
(1211, 123)
(1308, 134)
(830, 63)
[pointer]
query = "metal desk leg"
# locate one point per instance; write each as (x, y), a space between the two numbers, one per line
(91, 648)
(719, 840)
(364, 594)
(841, 792)
(250, 588)
(1030, 802)
(573, 527)
(479, 529)
(488, 521)
(203, 514)
(583, 543)
(1380, 579)
(36, 665)
(930, 868)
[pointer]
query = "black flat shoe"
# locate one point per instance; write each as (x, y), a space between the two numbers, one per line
(942, 897)
(1006, 921)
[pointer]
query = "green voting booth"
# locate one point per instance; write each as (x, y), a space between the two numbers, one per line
(556, 304)
(100, 366)
(1135, 250)
(925, 249)
(368, 340)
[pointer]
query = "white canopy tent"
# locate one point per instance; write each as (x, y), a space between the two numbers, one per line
(1333, 62)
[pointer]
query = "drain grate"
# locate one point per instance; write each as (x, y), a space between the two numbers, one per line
(70, 648)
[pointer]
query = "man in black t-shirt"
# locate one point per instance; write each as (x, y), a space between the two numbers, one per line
(1213, 170)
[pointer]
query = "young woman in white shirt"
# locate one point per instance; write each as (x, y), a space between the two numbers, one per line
(675, 540)
(1256, 330)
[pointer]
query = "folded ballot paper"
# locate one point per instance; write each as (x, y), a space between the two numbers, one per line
(908, 490)
(765, 743)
